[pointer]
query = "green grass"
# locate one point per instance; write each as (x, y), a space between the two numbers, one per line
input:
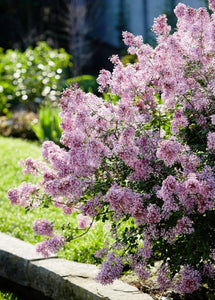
(16, 222)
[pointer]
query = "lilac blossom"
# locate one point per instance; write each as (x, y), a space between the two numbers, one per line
(43, 227)
(91, 207)
(23, 195)
(213, 119)
(103, 79)
(146, 250)
(101, 253)
(169, 186)
(192, 185)
(211, 141)
(68, 210)
(153, 214)
(168, 151)
(180, 10)
(50, 246)
(204, 204)
(83, 221)
(42, 248)
(31, 166)
(179, 121)
(55, 243)
(209, 270)
(140, 268)
(110, 269)
(163, 278)
(121, 198)
(190, 280)
(183, 226)
(131, 40)
(160, 26)
(212, 5)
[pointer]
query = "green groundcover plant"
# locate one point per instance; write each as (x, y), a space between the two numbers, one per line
(145, 162)
(8, 296)
(47, 126)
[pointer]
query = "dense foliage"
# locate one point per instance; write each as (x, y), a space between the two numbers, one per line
(145, 162)
(33, 77)
(87, 83)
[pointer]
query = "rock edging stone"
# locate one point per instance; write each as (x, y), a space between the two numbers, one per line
(58, 278)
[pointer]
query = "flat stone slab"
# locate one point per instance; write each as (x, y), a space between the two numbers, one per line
(63, 267)
(58, 278)
(15, 256)
(17, 247)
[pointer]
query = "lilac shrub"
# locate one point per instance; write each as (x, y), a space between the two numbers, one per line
(143, 163)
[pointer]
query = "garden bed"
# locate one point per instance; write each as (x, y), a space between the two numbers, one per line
(29, 275)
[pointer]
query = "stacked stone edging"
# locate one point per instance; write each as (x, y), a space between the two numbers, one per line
(58, 278)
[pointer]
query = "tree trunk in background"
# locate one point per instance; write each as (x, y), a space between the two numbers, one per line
(145, 21)
(82, 14)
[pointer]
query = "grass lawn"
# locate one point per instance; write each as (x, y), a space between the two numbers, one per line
(16, 222)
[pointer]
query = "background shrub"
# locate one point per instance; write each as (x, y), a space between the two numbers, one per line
(87, 83)
(18, 125)
(31, 78)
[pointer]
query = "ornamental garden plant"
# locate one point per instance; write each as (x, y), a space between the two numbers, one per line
(142, 160)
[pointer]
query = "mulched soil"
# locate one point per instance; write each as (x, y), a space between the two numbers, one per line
(150, 287)
(156, 294)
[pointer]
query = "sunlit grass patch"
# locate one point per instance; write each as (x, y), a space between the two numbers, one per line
(16, 222)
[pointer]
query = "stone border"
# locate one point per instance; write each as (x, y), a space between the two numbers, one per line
(57, 278)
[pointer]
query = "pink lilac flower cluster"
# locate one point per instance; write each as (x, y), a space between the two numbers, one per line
(101, 253)
(164, 280)
(140, 268)
(110, 269)
(183, 226)
(146, 250)
(160, 26)
(50, 246)
(30, 166)
(169, 151)
(190, 280)
(211, 140)
(147, 157)
(180, 120)
(91, 207)
(120, 200)
(23, 195)
(213, 119)
(83, 221)
(209, 270)
(43, 227)
(212, 5)
(131, 40)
